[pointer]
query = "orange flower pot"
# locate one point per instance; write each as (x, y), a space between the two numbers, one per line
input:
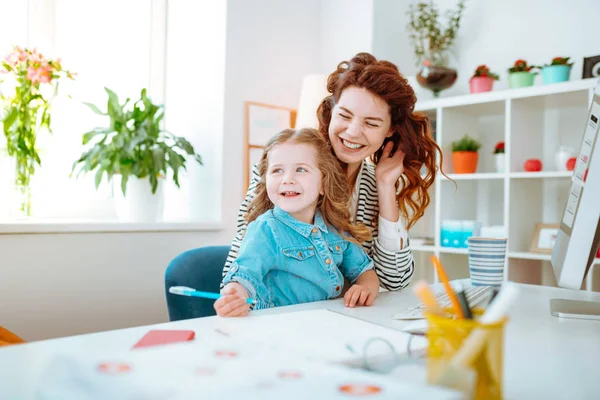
(465, 162)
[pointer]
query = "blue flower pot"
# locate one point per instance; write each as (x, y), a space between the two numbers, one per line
(555, 73)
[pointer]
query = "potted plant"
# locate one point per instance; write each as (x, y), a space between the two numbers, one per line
(557, 71)
(32, 83)
(432, 42)
(482, 80)
(138, 153)
(499, 157)
(521, 74)
(464, 155)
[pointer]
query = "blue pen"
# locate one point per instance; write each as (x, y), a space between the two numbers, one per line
(187, 291)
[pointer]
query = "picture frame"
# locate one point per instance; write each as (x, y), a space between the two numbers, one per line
(544, 237)
(591, 67)
(261, 122)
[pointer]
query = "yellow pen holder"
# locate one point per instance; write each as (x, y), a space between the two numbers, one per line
(446, 336)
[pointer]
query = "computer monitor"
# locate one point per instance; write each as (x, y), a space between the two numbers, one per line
(579, 234)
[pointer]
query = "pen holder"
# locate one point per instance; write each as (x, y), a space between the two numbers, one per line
(447, 335)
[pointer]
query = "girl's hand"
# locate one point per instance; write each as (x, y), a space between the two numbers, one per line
(232, 302)
(359, 295)
(389, 169)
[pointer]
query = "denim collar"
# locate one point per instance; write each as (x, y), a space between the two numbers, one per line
(301, 227)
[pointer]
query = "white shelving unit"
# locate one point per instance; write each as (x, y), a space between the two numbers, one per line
(533, 122)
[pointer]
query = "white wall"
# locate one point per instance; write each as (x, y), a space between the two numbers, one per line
(58, 285)
(497, 33)
(346, 29)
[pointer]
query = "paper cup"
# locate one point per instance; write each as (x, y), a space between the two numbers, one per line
(487, 257)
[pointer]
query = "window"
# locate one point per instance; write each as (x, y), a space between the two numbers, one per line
(160, 45)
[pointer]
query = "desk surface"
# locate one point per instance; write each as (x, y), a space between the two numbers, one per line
(545, 357)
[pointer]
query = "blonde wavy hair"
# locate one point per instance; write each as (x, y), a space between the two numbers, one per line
(334, 204)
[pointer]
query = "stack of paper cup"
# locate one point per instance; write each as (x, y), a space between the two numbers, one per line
(487, 257)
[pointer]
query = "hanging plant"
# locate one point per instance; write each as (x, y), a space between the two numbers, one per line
(430, 38)
(30, 82)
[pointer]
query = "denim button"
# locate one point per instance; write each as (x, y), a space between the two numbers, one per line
(337, 247)
(299, 254)
(314, 230)
(337, 288)
(328, 261)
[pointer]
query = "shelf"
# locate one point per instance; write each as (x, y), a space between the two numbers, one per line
(475, 176)
(542, 174)
(453, 250)
(529, 256)
(497, 95)
(523, 255)
(423, 248)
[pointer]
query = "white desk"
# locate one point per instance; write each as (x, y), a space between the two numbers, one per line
(545, 357)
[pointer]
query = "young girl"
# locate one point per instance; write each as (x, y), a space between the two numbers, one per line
(299, 245)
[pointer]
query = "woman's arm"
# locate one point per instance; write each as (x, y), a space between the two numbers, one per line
(242, 224)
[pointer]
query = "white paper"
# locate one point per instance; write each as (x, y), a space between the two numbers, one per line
(318, 334)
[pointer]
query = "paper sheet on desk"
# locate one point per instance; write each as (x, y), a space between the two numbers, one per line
(215, 368)
(318, 334)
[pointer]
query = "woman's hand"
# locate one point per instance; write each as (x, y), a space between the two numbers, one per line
(232, 302)
(389, 169)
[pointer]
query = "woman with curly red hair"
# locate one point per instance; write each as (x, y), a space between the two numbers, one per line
(369, 115)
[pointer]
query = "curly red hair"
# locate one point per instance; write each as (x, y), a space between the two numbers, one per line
(411, 130)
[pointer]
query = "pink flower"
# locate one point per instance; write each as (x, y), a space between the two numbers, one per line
(41, 74)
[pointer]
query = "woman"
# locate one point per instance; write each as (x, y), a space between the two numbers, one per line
(369, 114)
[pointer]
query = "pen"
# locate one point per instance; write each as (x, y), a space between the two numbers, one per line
(187, 291)
(451, 295)
(464, 303)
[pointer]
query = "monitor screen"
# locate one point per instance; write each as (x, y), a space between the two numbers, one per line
(577, 240)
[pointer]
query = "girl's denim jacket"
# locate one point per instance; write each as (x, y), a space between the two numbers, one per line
(284, 261)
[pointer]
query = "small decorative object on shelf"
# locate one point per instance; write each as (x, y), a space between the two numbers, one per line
(591, 67)
(135, 149)
(482, 80)
(557, 71)
(432, 43)
(544, 237)
(533, 165)
(30, 83)
(464, 155)
(571, 163)
(499, 157)
(562, 156)
(521, 74)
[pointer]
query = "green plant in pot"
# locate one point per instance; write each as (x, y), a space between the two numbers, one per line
(432, 42)
(558, 70)
(464, 155)
(134, 149)
(521, 74)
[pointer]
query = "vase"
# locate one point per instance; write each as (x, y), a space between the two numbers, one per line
(562, 156)
(500, 161)
(139, 205)
(480, 84)
(464, 162)
(520, 79)
(555, 74)
(436, 78)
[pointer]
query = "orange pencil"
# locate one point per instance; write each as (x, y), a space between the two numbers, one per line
(444, 279)
(427, 297)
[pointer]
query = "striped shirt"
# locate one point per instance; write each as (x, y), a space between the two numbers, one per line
(394, 268)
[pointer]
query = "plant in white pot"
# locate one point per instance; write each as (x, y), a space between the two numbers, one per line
(138, 153)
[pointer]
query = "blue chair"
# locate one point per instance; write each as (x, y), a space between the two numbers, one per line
(200, 269)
